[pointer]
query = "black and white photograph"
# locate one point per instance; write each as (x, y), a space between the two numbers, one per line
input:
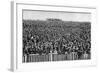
(52, 36)
(55, 36)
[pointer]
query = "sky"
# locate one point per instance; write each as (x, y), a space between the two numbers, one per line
(66, 16)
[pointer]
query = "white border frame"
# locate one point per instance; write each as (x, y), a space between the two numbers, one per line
(16, 61)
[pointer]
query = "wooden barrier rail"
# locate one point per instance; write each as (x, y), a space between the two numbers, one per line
(52, 57)
(36, 58)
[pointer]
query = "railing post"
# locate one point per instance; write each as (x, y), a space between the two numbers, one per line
(51, 56)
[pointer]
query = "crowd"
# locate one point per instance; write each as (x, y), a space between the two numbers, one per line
(73, 43)
(59, 46)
